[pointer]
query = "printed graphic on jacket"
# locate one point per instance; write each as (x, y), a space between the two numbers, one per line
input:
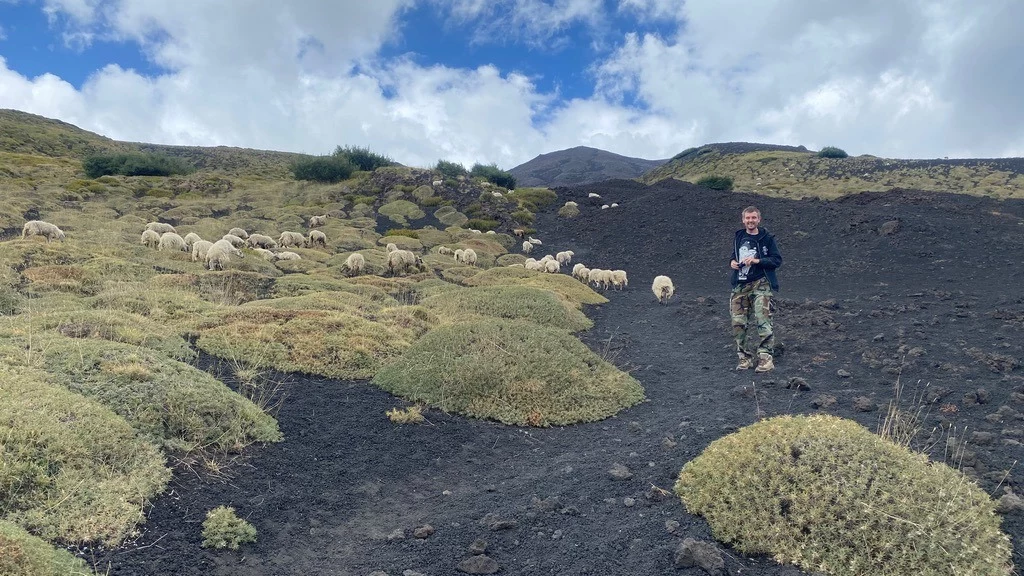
(748, 248)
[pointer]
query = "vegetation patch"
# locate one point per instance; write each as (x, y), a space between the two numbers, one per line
(832, 152)
(363, 158)
(515, 372)
(112, 325)
(22, 554)
(403, 242)
(224, 529)
(451, 169)
(569, 211)
(72, 469)
(134, 164)
(511, 303)
(510, 259)
(410, 415)
(401, 211)
(716, 182)
(494, 175)
(564, 285)
(828, 495)
(449, 216)
(531, 199)
(72, 279)
(323, 169)
(483, 224)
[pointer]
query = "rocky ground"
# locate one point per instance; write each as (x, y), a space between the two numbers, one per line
(917, 288)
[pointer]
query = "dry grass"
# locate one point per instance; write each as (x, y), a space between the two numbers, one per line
(409, 415)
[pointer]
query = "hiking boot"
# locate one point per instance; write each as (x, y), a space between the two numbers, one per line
(765, 363)
(746, 362)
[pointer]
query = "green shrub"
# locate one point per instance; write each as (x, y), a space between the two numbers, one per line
(22, 554)
(494, 175)
(828, 495)
(509, 259)
(832, 152)
(403, 232)
(364, 200)
(450, 169)
(362, 158)
(512, 303)
(483, 224)
(323, 169)
(533, 198)
(524, 217)
(401, 211)
(716, 182)
(449, 216)
(512, 371)
(224, 529)
(133, 164)
(431, 202)
(569, 211)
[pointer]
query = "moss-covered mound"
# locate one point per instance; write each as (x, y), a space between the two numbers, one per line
(514, 372)
(509, 302)
(22, 554)
(72, 469)
(562, 284)
(828, 495)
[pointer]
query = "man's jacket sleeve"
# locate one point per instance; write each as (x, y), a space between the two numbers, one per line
(774, 259)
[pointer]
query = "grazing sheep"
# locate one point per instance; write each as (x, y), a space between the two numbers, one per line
(469, 256)
(564, 257)
(288, 239)
(532, 264)
(527, 247)
(535, 241)
(391, 247)
(663, 288)
(171, 241)
(492, 232)
(496, 194)
(576, 268)
(475, 231)
(595, 276)
(593, 195)
(266, 254)
(150, 238)
(619, 279)
(240, 232)
(160, 227)
(402, 260)
(317, 238)
(445, 251)
(516, 266)
(518, 232)
(547, 257)
(235, 240)
(315, 221)
(605, 207)
(288, 256)
(552, 266)
(458, 254)
(191, 238)
(437, 183)
(220, 254)
(583, 275)
(615, 204)
(40, 228)
(261, 241)
(354, 264)
(199, 250)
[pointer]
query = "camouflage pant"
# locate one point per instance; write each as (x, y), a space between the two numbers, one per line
(752, 301)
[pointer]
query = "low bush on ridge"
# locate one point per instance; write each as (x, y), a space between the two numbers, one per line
(133, 164)
(224, 529)
(716, 182)
(828, 495)
(512, 371)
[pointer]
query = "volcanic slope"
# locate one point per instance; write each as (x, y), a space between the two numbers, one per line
(874, 287)
(580, 165)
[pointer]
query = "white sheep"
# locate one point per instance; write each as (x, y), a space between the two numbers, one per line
(235, 240)
(571, 204)
(266, 254)
(445, 251)
(437, 183)
(150, 238)
(496, 194)
(288, 256)
(191, 238)
(261, 241)
(547, 257)
(240, 232)
(552, 267)
(160, 227)
(615, 204)
(288, 239)
(199, 250)
(576, 268)
(402, 260)
(317, 238)
(583, 275)
(619, 279)
(564, 257)
(518, 232)
(469, 256)
(492, 232)
(605, 207)
(527, 247)
(532, 264)
(391, 247)
(593, 195)
(171, 241)
(41, 228)
(354, 264)
(595, 276)
(458, 254)
(535, 241)
(475, 231)
(315, 221)
(220, 254)
(663, 288)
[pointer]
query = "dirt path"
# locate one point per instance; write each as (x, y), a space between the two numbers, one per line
(929, 299)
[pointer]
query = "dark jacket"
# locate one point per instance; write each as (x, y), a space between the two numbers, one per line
(767, 252)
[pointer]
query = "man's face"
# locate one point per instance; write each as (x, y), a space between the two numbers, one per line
(751, 220)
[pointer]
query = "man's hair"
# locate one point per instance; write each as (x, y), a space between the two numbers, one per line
(751, 209)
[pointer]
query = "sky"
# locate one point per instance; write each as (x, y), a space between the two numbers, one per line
(501, 81)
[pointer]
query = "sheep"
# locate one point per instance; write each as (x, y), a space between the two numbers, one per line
(316, 238)
(150, 238)
(160, 227)
(235, 240)
(605, 207)
(266, 254)
(220, 254)
(496, 194)
(261, 241)
(593, 195)
(402, 260)
(469, 256)
(532, 264)
(40, 228)
(190, 239)
(576, 268)
(171, 241)
(535, 241)
(516, 266)
(458, 254)
(291, 239)
(583, 275)
(200, 249)
(619, 279)
(315, 221)
(491, 232)
(527, 247)
(391, 247)
(571, 204)
(564, 257)
(240, 232)
(445, 251)
(615, 204)
(437, 183)
(475, 231)
(288, 256)
(518, 232)
(547, 257)
(663, 288)
(595, 276)
(552, 267)
(354, 264)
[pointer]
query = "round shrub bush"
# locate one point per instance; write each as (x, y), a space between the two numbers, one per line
(828, 495)
(832, 152)
(716, 182)
(512, 371)
(224, 529)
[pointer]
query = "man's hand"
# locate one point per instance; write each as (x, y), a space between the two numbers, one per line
(750, 260)
(734, 265)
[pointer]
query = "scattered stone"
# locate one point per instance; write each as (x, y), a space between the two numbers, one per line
(378, 573)
(635, 427)
(398, 534)
(823, 401)
(495, 522)
(478, 565)
(446, 493)
(982, 395)
(668, 443)
(982, 438)
(479, 546)
(556, 535)
(745, 391)
(878, 338)
(916, 352)
(889, 228)
(545, 504)
(570, 511)
(412, 573)
(671, 526)
(620, 472)
(1017, 397)
(629, 502)
(697, 553)
(424, 531)
(843, 373)
(1009, 503)
(863, 404)
(491, 488)
(798, 383)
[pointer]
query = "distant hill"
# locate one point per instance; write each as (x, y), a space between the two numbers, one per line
(798, 172)
(580, 165)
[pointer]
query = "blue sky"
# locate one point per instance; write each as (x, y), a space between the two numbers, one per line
(504, 80)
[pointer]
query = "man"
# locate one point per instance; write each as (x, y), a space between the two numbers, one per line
(755, 256)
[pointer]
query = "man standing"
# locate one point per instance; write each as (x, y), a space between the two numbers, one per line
(755, 256)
